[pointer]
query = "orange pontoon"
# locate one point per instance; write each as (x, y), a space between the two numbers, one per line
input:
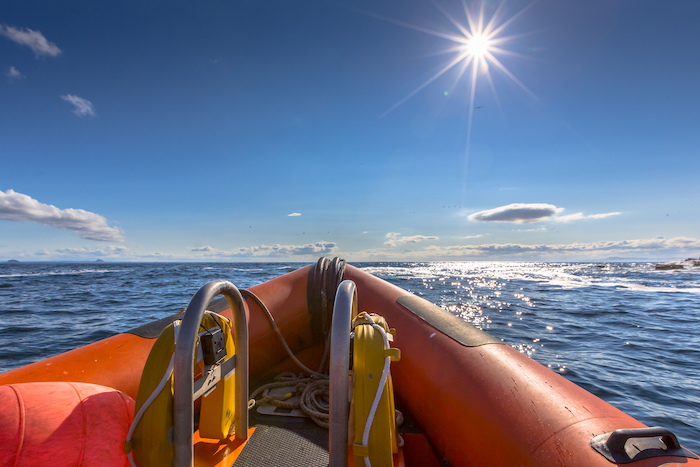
(466, 398)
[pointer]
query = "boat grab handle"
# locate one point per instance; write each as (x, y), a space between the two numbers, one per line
(343, 311)
(653, 442)
(183, 384)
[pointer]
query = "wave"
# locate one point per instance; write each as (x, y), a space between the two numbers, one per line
(60, 273)
(646, 288)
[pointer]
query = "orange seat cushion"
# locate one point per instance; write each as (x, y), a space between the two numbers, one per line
(63, 424)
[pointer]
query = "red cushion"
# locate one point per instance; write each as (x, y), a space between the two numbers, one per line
(63, 424)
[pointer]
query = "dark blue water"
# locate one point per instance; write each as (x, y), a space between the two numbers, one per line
(623, 331)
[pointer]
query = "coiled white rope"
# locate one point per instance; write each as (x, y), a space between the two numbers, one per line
(313, 390)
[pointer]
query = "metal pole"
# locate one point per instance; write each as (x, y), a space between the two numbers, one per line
(183, 384)
(343, 311)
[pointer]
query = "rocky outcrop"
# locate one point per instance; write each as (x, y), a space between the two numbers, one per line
(687, 264)
(666, 267)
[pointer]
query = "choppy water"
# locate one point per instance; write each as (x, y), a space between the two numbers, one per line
(624, 331)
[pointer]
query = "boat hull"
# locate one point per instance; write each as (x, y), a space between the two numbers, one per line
(478, 400)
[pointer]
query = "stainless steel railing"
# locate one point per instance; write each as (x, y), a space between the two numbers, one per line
(344, 310)
(183, 384)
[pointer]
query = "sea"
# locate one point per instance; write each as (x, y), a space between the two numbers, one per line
(626, 332)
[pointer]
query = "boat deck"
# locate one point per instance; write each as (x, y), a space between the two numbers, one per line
(280, 441)
(283, 441)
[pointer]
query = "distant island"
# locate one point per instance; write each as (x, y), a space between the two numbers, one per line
(98, 260)
(12, 261)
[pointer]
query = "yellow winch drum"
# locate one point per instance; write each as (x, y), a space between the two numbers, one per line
(370, 354)
(152, 439)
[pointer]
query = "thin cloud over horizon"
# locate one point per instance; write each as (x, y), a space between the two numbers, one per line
(318, 248)
(395, 238)
(657, 246)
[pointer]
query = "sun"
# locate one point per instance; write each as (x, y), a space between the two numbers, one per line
(478, 45)
(474, 47)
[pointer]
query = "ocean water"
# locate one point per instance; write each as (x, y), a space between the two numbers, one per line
(623, 331)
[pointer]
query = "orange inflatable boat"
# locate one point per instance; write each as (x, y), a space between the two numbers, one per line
(324, 365)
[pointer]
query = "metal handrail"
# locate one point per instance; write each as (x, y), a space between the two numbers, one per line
(183, 384)
(344, 309)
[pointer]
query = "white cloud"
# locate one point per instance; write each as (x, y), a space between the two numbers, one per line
(13, 73)
(35, 40)
(579, 216)
(83, 107)
(318, 248)
(570, 217)
(294, 214)
(473, 236)
(517, 213)
(522, 213)
(156, 254)
(603, 216)
(22, 208)
(110, 250)
(206, 249)
(395, 238)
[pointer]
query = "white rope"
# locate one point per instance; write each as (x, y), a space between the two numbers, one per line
(313, 391)
(148, 402)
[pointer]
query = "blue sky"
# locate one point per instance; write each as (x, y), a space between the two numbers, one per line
(256, 131)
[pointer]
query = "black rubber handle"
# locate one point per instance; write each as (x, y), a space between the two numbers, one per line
(612, 445)
(618, 438)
